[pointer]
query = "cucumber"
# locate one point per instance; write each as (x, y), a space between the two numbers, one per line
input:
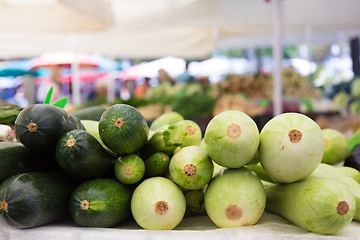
(320, 205)
(100, 203)
(193, 136)
(158, 204)
(191, 168)
(34, 199)
(168, 118)
(80, 155)
(123, 129)
(157, 165)
(231, 139)
(16, 158)
(325, 170)
(129, 169)
(39, 126)
(90, 113)
(235, 198)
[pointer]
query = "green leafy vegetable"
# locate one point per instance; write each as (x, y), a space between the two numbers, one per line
(48, 95)
(61, 102)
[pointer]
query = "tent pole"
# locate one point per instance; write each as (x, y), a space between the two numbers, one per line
(277, 56)
(75, 83)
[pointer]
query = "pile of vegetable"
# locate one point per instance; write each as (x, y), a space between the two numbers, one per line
(104, 172)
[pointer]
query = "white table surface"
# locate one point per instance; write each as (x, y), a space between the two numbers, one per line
(268, 227)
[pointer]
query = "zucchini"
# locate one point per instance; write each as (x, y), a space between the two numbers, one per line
(191, 168)
(39, 126)
(231, 139)
(166, 139)
(193, 136)
(350, 172)
(92, 127)
(195, 202)
(123, 129)
(129, 169)
(235, 198)
(90, 113)
(336, 146)
(9, 112)
(34, 199)
(320, 205)
(168, 118)
(325, 170)
(80, 155)
(158, 204)
(157, 165)
(100, 203)
(291, 147)
(16, 158)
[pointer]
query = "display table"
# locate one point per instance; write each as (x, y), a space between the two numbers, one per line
(269, 227)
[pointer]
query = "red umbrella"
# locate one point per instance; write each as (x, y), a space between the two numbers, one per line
(64, 60)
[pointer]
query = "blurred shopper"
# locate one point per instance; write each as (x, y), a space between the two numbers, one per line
(55, 82)
(185, 77)
(126, 90)
(141, 89)
(163, 76)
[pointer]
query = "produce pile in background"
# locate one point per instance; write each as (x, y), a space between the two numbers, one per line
(105, 165)
(261, 86)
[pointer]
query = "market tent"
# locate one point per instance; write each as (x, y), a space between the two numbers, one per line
(194, 28)
(53, 15)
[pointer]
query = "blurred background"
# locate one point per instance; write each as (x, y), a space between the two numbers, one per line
(196, 57)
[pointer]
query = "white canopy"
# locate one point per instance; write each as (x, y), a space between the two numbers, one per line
(182, 28)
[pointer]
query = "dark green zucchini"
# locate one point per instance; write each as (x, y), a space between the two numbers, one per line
(123, 129)
(157, 165)
(82, 156)
(100, 203)
(90, 113)
(39, 126)
(15, 158)
(34, 199)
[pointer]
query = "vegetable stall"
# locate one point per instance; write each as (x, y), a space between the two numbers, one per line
(121, 176)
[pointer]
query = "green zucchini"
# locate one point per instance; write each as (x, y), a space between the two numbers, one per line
(157, 165)
(92, 127)
(90, 113)
(166, 139)
(82, 156)
(234, 198)
(39, 126)
(34, 199)
(193, 136)
(100, 203)
(195, 202)
(167, 118)
(16, 158)
(129, 169)
(325, 170)
(350, 172)
(320, 205)
(191, 168)
(123, 129)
